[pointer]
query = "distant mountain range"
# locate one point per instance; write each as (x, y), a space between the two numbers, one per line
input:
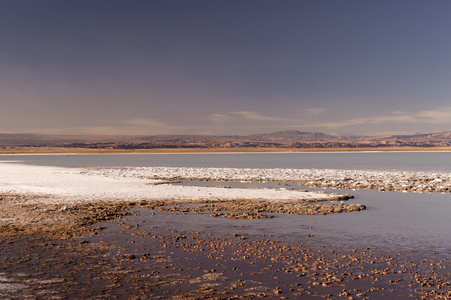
(280, 139)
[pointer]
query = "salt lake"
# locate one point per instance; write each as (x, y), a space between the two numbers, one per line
(393, 220)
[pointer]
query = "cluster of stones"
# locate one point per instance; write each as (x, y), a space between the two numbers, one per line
(254, 268)
(410, 184)
(254, 209)
(344, 179)
(18, 218)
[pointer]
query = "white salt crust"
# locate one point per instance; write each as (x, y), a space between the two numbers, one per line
(68, 185)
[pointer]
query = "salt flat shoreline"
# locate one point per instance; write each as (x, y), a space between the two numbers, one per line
(43, 196)
(57, 184)
(38, 190)
(136, 183)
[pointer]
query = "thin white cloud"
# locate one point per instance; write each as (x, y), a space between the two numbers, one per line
(252, 115)
(241, 122)
(241, 118)
(436, 116)
(315, 110)
(43, 130)
(142, 122)
(439, 116)
(145, 126)
(218, 118)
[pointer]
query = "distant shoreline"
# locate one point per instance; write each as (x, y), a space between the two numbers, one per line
(58, 150)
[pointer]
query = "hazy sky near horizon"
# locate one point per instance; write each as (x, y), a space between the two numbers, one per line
(225, 66)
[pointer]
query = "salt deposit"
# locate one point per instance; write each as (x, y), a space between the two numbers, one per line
(57, 184)
(344, 179)
(89, 184)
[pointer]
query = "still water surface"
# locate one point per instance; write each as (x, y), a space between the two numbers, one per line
(409, 161)
(394, 221)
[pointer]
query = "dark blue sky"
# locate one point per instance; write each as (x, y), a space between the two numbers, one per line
(225, 67)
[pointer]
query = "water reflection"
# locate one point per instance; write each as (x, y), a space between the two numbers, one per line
(392, 220)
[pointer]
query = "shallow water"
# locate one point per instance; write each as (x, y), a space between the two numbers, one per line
(393, 220)
(260, 254)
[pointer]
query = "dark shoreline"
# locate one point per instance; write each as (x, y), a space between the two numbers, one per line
(63, 150)
(142, 256)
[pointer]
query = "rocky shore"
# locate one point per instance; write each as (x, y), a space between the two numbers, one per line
(142, 256)
(111, 233)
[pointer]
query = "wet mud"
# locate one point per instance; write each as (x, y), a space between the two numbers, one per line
(127, 251)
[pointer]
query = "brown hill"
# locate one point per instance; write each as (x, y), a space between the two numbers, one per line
(290, 136)
(58, 140)
(280, 139)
